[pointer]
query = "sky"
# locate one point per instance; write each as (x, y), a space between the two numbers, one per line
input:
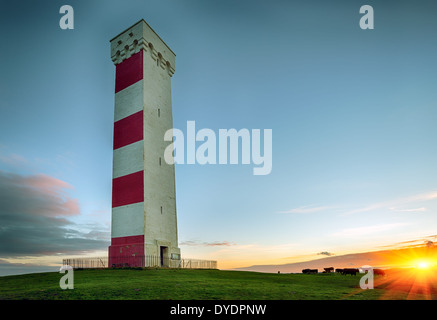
(352, 114)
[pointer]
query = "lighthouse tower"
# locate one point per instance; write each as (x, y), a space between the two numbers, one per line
(144, 219)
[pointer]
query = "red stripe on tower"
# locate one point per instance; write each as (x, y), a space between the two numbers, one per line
(128, 189)
(129, 71)
(122, 241)
(128, 130)
(127, 251)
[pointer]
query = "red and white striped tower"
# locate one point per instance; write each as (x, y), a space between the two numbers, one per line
(143, 187)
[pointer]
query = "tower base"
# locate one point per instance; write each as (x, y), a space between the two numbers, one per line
(126, 252)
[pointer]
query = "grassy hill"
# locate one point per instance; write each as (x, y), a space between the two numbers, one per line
(182, 284)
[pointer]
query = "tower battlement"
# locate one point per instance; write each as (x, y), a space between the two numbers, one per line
(142, 37)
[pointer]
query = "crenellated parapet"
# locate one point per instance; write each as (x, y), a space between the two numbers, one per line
(142, 37)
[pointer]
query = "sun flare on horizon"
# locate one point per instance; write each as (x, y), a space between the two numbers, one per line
(413, 274)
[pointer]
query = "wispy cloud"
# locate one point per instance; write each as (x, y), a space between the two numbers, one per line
(403, 204)
(362, 231)
(308, 209)
(14, 160)
(421, 209)
(413, 243)
(397, 204)
(207, 244)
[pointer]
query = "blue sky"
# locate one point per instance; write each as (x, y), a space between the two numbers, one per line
(353, 115)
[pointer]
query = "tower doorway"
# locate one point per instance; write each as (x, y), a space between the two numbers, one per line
(163, 253)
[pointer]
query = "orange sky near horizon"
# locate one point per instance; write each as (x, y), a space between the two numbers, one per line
(407, 255)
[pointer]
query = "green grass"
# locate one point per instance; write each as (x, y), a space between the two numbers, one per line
(182, 284)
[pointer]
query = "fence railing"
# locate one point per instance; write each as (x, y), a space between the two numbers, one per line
(138, 261)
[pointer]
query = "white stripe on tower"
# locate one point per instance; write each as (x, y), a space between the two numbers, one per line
(129, 101)
(128, 159)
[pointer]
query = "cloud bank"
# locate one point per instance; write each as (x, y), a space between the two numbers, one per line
(34, 212)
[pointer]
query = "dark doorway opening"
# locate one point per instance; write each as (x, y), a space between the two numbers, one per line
(163, 255)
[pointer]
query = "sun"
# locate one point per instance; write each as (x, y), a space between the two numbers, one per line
(423, 265)
(412, 273)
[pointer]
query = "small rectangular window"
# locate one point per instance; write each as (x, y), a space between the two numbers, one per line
(159, 160)
(161, 209)
(159, 113)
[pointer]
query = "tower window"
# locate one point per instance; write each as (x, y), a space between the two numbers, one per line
(159, 160)
(159, 112)
(161, 209)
